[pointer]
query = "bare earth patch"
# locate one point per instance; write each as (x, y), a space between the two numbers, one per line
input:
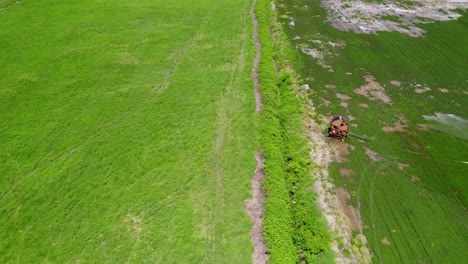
(396, 83)
(340, 150)
(399, 126)
(369, 17)
(443, 90)
(343, 96)
(255, 208)
(372, 154)
(423, 127)
(363, 105)
(415, 178)
(402, 166)
(373, 90)
(346, 172)
(422, 90)
(328, 67)
(325, 101)
(330, 86)
(352, 247)
(352, 213)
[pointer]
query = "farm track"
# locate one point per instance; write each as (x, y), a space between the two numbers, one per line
(226, 107)
(180, 57)
(255, 205)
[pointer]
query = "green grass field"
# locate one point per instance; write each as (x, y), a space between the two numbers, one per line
(412, 197)
(127, 131)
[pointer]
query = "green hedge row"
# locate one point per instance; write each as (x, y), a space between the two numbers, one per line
(294, 230)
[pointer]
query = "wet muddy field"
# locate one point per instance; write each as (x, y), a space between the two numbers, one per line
(398, 71)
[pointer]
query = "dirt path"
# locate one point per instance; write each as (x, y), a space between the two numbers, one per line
(258, 95)
(255, 209)
(255, 206)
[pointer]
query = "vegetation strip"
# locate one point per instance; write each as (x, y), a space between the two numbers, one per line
(293, 226)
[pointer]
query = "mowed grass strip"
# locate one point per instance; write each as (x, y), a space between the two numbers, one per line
(128, 132)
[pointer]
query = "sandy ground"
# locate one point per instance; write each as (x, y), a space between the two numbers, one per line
(366, 18)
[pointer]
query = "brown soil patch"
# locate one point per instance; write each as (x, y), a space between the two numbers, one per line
(255, 206)
(343, 96)
(415, 178)
(417, 145)
(344, 104)
(422, 90)
(372, 154)
(352, 213)
(443, 90)
(423, 127)
(329, 67)
(325, 101)
(330, 86)
(399, 126)
(396, 83)
(346, 172)
(373, 90)
(364, 105)
(341, 150)
(402, 166)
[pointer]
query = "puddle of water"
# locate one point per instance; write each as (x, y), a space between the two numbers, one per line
(449, 124)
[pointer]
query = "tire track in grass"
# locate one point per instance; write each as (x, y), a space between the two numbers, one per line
(180, 57)
(117, 120)
(227, 106)
(384, 165)
(258, 54)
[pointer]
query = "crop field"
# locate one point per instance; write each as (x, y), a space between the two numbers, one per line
(127, 131)
(404, 92)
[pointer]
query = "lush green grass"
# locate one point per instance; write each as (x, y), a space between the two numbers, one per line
(294, 229)
(128, 131)
(414, 213)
